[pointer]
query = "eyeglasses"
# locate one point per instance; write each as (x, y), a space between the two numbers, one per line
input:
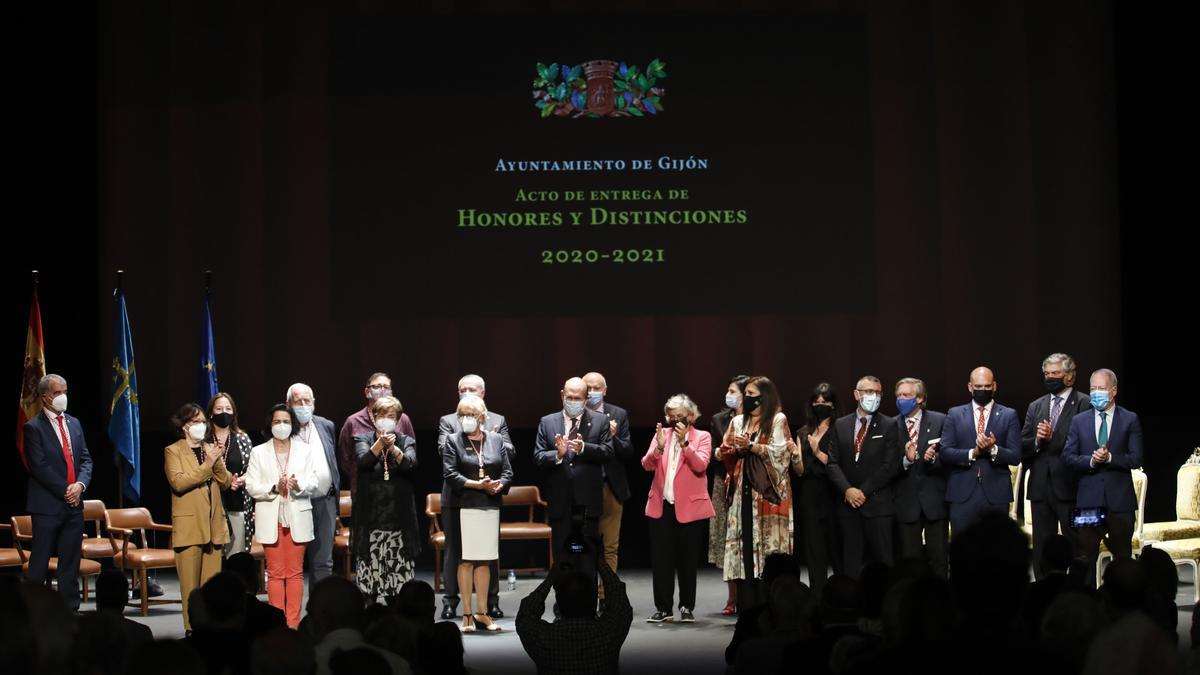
(869, 391)
(380, 387)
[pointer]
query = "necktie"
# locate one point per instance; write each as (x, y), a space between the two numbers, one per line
(980, 427)
(1055, 409)
(1102, 437)
(571, 436)
(70, 459)
(912, 430)
(858, 440)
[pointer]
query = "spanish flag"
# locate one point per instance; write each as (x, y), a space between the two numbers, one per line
(35, 369)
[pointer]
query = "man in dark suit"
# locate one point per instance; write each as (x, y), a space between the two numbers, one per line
(864, 457)
(60, 469)
(1051, 484)
(319, 434)
(980, 440)
(573, 445)
(1104, 446)
(616, 481)
(449, 425)
(920, 489)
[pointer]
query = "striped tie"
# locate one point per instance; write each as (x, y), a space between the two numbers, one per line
(1055, 410)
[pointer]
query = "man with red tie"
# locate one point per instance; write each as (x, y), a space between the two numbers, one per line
(864, 458)
(60, 469)
(980, 440)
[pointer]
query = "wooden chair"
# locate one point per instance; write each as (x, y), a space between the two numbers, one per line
(341, 537)
(518, 495)
(9, 557)
(120, 524)
(22, 531)
(96, 544)
(437, 538)
(528, 496)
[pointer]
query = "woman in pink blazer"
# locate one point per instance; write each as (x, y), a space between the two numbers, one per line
(678, 506)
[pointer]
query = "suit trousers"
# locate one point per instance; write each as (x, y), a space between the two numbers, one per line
(674, 551)
(452, 556)
(1049, 515)
(977, 505)
(933, 549)
(57, 535)
(610, 529)
(195, 565)
(318, 554)
(285, 575)
(237, 533)
(1117, 533)
(864, 540)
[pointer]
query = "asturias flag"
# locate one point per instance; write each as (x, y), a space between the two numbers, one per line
(124, 423)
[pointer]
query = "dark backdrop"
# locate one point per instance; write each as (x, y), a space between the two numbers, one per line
(1020, 206)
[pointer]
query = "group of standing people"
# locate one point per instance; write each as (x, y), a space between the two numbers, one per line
(227, 494)
(877, 488)
(871, 487)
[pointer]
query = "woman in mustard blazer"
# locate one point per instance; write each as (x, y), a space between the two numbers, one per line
(197, 476)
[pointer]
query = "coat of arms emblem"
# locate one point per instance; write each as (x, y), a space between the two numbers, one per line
(599, 88)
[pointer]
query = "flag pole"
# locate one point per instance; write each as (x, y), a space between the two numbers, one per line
(120, 469)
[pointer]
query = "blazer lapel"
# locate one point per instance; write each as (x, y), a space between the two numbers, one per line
(994, 418)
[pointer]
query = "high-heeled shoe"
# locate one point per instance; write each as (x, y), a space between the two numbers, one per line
(730, 609)
(468, 624)
(487, 623)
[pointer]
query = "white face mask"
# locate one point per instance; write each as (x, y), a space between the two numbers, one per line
(304, 413)
(281, 431)
(870, 402)
(385, 425)
(60, 403)
(469, 424)
(196, 432)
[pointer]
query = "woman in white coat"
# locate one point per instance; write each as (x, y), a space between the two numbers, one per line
(281, 478)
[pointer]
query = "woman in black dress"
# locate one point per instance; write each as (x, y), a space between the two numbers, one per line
(385, 537)
(814, 508)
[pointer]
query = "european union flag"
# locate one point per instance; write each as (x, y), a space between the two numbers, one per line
(206, 384)
(124, 423)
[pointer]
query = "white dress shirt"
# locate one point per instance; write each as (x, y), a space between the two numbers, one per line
(674, 454)
(915, 418)
(53, 417)
(986, 411)
(310, 436)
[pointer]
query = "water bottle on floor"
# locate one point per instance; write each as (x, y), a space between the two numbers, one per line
(512, 580)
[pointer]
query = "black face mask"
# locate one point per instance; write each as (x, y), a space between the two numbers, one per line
(1055, 384)
(751, 403)
(223, 420)
(982, 396)
(671, 424)
(821, 411)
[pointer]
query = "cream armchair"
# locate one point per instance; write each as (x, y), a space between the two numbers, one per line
(1181, 539)
(1187, 506)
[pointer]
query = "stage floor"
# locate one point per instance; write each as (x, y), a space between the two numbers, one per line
(660, 648)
